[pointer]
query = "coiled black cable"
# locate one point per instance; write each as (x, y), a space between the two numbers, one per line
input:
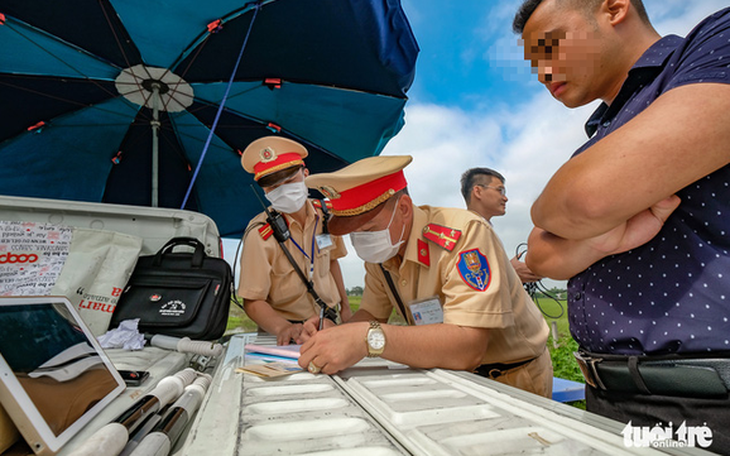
(533, 288)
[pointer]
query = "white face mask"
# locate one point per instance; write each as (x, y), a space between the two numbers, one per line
(288, 198)
(375, 246)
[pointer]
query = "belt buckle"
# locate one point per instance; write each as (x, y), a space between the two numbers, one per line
(587, 366)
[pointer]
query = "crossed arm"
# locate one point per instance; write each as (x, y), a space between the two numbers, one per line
(617, 194)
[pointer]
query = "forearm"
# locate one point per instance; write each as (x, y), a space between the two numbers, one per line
(428, 346)
(265, 316)
(560, 258)
(525, 274)
(557, 258)
(439, 345)
(675, 141)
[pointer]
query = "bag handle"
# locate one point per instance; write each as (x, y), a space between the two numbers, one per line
(198, 255)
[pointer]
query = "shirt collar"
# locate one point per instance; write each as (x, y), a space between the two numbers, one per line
(311, 213)
(650, 64)
(411, 254)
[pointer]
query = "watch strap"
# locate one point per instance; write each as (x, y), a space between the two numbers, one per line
(374, 326)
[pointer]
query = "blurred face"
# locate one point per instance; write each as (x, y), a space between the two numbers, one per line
(564, 48)
(489, 197)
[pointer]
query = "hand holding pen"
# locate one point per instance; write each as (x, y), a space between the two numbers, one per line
(313, 326)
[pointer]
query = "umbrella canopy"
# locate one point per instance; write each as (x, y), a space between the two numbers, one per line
(115, 100)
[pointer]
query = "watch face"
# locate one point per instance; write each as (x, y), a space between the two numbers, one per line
(376, 340)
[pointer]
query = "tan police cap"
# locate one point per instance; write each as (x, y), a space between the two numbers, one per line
(270, 154)
(357, 191)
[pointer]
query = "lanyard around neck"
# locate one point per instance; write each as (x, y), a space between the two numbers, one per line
(311, 256)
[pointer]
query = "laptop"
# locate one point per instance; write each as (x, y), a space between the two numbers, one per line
(54, 376)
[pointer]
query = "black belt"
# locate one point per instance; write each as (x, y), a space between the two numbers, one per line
(685, 377)
(495, 370)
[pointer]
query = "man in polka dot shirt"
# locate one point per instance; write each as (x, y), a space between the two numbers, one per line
(638, 219)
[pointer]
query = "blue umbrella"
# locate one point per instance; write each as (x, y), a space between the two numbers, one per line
(150, 102)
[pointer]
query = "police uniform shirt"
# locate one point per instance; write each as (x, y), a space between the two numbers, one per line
(266, 273)
(472, 278)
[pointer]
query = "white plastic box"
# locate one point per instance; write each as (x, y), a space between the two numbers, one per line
(374, 408)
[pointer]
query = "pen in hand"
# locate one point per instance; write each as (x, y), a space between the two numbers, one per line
(321, 318)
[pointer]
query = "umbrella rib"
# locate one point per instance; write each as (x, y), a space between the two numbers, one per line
(176, 146)
(195, 43)
(129, 64)
(203, 42)
(182, 76)
(53, 97)
(69, 101)
(199, 49)
(220, 107)
(205, 104)
(114, 34)
(72, 68)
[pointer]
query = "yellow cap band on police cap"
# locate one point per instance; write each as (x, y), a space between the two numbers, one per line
(363, 185)
(270, 154)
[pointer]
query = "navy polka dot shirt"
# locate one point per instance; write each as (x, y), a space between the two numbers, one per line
(671, 295)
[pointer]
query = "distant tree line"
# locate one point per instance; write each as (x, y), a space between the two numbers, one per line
(558, 293)
(354, 291)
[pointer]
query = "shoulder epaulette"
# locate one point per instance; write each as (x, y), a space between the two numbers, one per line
(266, 231)
(318, 204)
(441, 235)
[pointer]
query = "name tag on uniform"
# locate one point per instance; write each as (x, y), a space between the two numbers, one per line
(324, 241)
(427, 311)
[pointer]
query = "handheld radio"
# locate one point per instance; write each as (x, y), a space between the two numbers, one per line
(274, 219)
(281, 234)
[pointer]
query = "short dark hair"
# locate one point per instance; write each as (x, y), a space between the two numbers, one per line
(469, 180)
(529, 6)
(279, 176)
(523, 15)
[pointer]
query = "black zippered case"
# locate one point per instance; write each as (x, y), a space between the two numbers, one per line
(181, 294)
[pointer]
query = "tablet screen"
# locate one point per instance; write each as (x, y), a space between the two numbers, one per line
(53, 369)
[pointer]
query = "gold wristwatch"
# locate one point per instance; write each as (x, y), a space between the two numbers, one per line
(375, 340)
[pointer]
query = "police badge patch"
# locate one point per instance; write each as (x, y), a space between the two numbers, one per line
(474, 269)
(267, 155)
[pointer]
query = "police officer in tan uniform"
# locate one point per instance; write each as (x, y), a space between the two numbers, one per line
(274, 296)
(444, 270)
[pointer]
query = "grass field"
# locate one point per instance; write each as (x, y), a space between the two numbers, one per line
(561, 348)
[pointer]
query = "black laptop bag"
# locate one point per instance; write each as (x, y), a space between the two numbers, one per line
(178, 293)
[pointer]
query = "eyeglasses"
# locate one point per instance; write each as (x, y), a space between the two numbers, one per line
(502, 190)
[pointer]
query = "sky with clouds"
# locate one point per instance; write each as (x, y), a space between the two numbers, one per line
(474, 102)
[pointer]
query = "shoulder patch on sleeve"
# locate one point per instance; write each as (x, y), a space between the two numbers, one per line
(265, 231)
(474, 269)
(441, 235)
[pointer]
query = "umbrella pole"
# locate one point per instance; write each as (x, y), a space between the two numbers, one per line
(155, 123)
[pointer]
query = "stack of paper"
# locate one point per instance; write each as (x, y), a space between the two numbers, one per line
(281, 353)
(279, 360)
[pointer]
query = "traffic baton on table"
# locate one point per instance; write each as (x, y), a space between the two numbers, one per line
(159, 442)
(111, 439)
